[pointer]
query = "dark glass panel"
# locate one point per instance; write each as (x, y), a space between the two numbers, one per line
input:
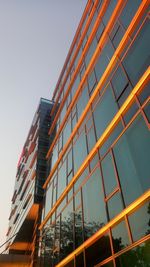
(129, 11)
(115, 205)
(147, 111)
(93, 204)
(144, 94)
(130, 113)
(61, 179)
(91, 139)
(109, 11)
(81, 178)
(98, 252)
(94, 161)
(137, 60)
(124, 95)
(92, 81)
(67, 131)
(82, 101)
(78, 227)
(120, 236)
(80, 260)
(109, 264)
(79, 151)
(48, 202)
(132, 155)
(99, 31)
(70, 264)
(90, 51)
(117, 33)
(110, 181)
(137, 257)
(101, 64)
(119, 81)
(115, 133)
(140, 222)
(101, 121)
(67, 240)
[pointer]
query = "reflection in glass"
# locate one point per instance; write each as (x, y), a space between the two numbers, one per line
(132, 156)
(140, 222)
(102, 121)
(120, 236)
(98, 252)
(93, 204)
(137, 257)
(115, 205)
(67, 220)
(108, 174)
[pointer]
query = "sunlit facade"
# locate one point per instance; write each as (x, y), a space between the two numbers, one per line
(96, 210)
(25, 215)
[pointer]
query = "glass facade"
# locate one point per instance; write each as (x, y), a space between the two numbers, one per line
(96, 210)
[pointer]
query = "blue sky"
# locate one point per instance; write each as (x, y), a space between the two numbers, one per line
(35, 36)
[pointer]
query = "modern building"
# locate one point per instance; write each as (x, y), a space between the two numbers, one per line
(27, 199)
(96, 208)
(97, 193)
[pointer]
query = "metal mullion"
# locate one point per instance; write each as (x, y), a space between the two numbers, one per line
(128, 229)
(117, 176)
(142, 111)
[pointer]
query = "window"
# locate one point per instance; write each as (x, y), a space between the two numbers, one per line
(93, 204)
(132, 155)
(120, 236)
(109, 176)
(137, 60)
(102, 114)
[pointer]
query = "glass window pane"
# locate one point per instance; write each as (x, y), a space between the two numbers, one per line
(119, 81)
(93, 204)
(109, 177)
(137, 60)
(80, 260)
(79, 151)
(137, 257)
(140, 222)
(67, 230)
(99, 251)
(132, 156)
(61, 179)
(48, 201)
(129, 11)
(120, 236)
(102, 121)
(115, 205)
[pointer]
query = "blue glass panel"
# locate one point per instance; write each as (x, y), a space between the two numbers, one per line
(132, 156)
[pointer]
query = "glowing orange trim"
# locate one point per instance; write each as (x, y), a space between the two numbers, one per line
(144, 79)
(103, 8)
(121, 46)
(72, 46)
(100, 232)
(95, 55)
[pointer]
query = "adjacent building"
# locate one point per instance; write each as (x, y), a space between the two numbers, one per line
(25, 215)
(95, 165)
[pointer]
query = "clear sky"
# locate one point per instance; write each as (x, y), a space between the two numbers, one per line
(35, 36)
